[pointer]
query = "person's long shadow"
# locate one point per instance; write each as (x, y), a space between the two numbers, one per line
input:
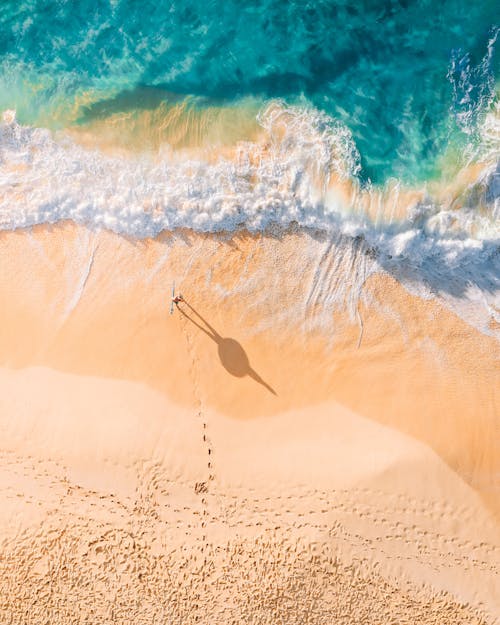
(231, 354)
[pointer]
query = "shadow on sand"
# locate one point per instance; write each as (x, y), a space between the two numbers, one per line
(231, 354)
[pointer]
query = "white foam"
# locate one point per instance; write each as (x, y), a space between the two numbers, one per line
(474, 96)
(285, 180)
(45, 180)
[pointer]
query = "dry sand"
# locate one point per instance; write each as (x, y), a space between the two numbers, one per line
(303, 441)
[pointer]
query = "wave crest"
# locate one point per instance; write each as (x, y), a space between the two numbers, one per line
(302, 170)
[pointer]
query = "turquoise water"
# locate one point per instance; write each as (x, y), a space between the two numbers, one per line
(411, 79)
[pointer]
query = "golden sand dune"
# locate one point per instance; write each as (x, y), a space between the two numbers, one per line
(302, 441)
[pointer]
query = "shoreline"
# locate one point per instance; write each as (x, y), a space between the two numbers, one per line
(328, 195)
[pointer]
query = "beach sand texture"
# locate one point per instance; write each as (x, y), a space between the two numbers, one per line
(302, 441)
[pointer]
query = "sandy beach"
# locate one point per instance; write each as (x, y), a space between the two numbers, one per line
(302, 441)
(249, 313)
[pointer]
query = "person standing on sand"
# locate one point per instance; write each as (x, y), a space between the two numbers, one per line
(177, 299)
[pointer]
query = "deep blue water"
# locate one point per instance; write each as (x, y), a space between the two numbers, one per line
(412, 79)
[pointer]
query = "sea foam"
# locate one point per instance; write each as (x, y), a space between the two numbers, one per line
(303, 172)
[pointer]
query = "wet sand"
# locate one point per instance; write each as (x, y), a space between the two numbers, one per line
(301, 439)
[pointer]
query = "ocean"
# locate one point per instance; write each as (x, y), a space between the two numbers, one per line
(375, 120)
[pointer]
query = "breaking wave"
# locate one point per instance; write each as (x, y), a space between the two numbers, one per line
(303, 170)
